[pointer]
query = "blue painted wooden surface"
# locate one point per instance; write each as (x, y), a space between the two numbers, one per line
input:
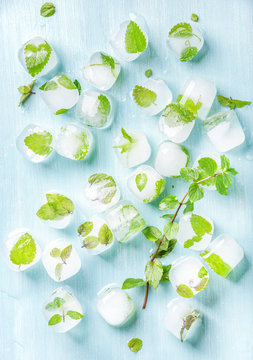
(78, 28)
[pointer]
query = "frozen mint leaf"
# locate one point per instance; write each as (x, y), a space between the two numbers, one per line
(194, 17)
(26, 91)
(78, 86)
(126, 147)
(170, 230)
(141, 181)
(55, 304)
(66, 252)
(84, 147)
(47, 9)
(46, 212)
(189, 207)
(75, 315)
(166, 248)
(181, 30)
(143, 96)
(188, 53)
(105, 235)
(90, 242)
(202, 272)
(126, 135)
(200, 225)
(132, 283)
(208, 165)
(159, 186)
(216, 263)
(166, 271)
(135, 41)
(36, 57)
(135, 344)
(65, 81)
(50, 85)
(55, 319)
(189, 104)
(169, 202)
(220, 186)
(39, 143)
(60, 203)
(189, 174)
(58, 271)
(188, 321)
(154, 273)
(104, 107)
(24, 250)
(188, 243)
(105, 185)
(203, 284)
(148, 73)
(108, 61)
(225, 101)
(177, 115)
(61, 111)
(55, 253)
(184, 291)
(152, 233)
(85, 228)
(195, 192)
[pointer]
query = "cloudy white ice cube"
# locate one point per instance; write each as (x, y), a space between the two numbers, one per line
(35, 143)
(171, 158)
(145, 183)
(210, 184)
(61, 260)
(224, 130)
(115, 305)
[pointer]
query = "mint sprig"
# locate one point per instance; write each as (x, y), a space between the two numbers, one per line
(135, 40)
(26, 91)
(232, 103)
(144, 97)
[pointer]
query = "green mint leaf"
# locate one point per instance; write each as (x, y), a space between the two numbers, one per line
(37, 57)
(224, 101)
(26, 91)
(194, 17)
(65, 81)
(189, 104)
(55, 319)
(55, 253)
(126, 147)
(231, 171)
(84, 147)
(46, 212)
(141, 181)
(189, 174)
(169, 202)
(181, 30)
(132, 283)
(40, 143)
(55, 304)
(159, 187)
(104, 107)
(203, 284)
(78, 86)
(188, 320)
(200, 225)
(224, 162)
(154, 273)
(188, 53)
(184, 291)
(61, 111)
(152, 233)
(24, 250)
(188, 243)
(105, 185)
(166, 248)
(216, 263)
(170, 230)
(108, 61)
(66, 252)
(90, 242)
(167, 216)
(202, 273)
(58, 271)
(166, 270)
(49, 85)
(195, 192)
(135, 41)
(143, 96)
(148, 73)
(60, 203)
(240, 103)
(208, 165)
(189, 207)
(85, 228)
(126, 136)
(47, 9)
(177, 114)
(135, 344)
(220, 186)
(75, 315)
(105, 236)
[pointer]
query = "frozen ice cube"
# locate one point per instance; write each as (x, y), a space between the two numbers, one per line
(197, 96)
(195, 231)
(56, 210)
(176, 122)
(37, 57)
(186, 46)
(132, 148)
(74, 142)
(130, 39)
(95, 109)
(21, 250)
(210, 184)
(171, 158)
(62, 310)
(125, 221)
(181, 319)
(96, 235)
(101, 192)
(188, 276)
(60, 94)
(223, 254)
(145, 183)
(35, 143)
(115, 305)
(224, 130)
(152, 96)
(102, 71)
(61, 260)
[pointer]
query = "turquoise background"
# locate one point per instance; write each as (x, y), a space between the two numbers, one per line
(78, 28)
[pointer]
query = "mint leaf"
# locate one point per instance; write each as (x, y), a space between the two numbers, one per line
(126, 135)
(152, 233)
(55, 253)
(46, 212)
(224, 162)
(26, 91)
(167, 216)
(58, 271)
(104, 108)
(49, 85)
(166, 248)
(75, 315)
(126, 147)
(189, 104)
(135, 344)
(194, 17)
(188, 243)
(154, 273)
(200, 225)
(57, 205)
(202, 272)
(216, 263)
(143, 96)
(170, 230)
(169, 202)
(195, 192)
(184, 291)
(208, 165)
(189, 174)
(135, 41)
(105, 236)
(84, 147)
(141, 181)
(188, 53)
(90, 242)
(24, 250)
(85, 228)
(181, 30)
(188, 321)
(177, 115)
(132, 283)
(55, 319)
(104, 185)
(224, 101)
(47, 9)
(66, 252)
(78, 86)
(166, 271)
(108, 61)
(148, 73)
(203, 284)
(189, 207)
(55, 304)
(220, 186)
(65, 81)
(39, 143)
(36, 57)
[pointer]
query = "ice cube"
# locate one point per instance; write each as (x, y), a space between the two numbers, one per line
(152, 96)
(74, 142)
(224, 130)
(21, 250)
(125, 221)
(223, 254)
(130, 39)
(185, 47)
(197, 96)
(95, 109)
(35, 143)
(171, 158)
(132, 148)
(181, 319)
(176, 122)
(101, 192)
(37, 57)
(62, 310)
(195, 231)
(60, 94)
(61, 260)
(115, 305)
(210, 184)
(96, 235)
(102, 71)
(56, 210)
(145, 183)
(188, 276)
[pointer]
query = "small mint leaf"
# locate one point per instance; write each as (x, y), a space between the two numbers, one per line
(47, 9)
(135, 41)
